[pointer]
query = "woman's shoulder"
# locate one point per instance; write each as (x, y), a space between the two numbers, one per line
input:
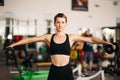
(45, 36)
(73, 35)
(48, 35)
(70, 34)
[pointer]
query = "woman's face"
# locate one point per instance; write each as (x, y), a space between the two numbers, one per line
(60, 24)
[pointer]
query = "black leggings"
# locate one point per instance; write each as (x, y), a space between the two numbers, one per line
(60, 73)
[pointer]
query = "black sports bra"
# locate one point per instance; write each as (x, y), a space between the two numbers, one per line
(63, 48)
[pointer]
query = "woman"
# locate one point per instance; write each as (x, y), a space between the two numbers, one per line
(60, 45)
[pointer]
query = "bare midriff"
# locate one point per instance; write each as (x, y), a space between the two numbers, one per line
(60, 60)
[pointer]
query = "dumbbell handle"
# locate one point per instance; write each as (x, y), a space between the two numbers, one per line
(9, 48)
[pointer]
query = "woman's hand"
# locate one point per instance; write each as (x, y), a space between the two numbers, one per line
(10, 46)
(113, 46)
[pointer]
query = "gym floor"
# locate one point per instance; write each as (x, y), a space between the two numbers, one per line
(6, 75)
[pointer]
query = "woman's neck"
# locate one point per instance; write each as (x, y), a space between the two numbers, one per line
(60, 33)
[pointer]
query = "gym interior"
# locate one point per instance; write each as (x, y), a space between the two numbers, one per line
(21, 19)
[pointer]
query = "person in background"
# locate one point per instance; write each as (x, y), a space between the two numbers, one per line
(88, 52)
(60, 44)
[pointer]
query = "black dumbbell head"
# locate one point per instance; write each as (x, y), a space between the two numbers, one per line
(10, 50)
(109, 49)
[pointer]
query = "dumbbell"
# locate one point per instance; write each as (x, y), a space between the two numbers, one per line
(109, 49)
(10, 54)
(9, 50)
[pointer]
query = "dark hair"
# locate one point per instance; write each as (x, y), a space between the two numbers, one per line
(62, 15)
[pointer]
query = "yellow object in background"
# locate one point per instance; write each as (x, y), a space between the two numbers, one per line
(73, 54)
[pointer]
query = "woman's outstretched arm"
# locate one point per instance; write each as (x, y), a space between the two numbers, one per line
(29, 40)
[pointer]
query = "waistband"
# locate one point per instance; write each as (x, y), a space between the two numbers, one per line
(67, 65)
